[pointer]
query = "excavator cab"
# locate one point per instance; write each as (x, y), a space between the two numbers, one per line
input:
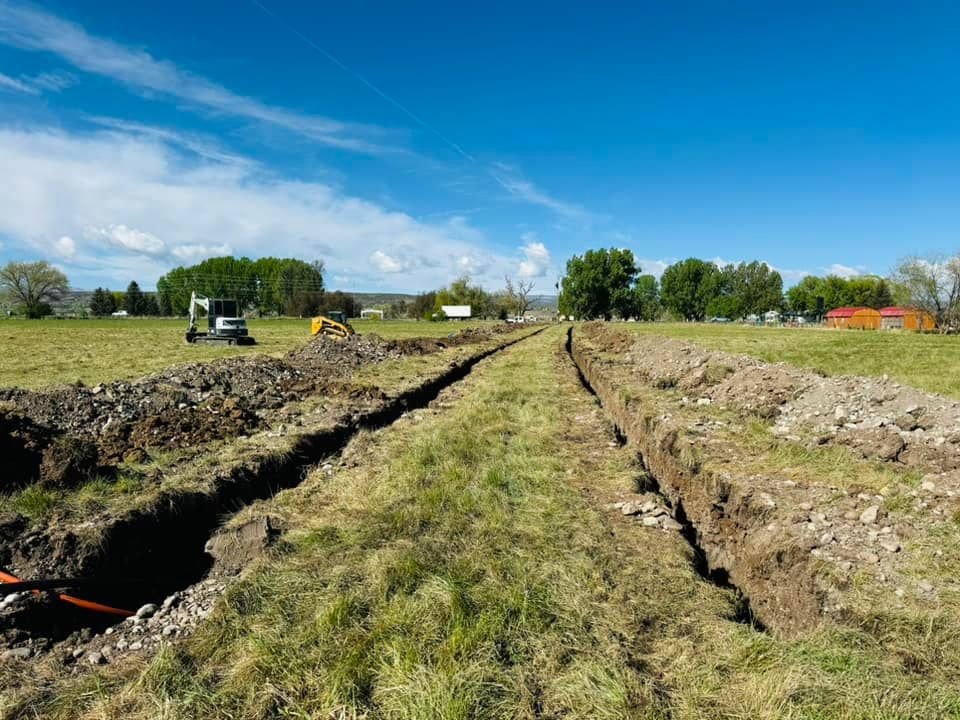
(333, 324)
(225, 326)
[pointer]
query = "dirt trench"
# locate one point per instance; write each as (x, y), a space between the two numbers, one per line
(156, 552)
(649, 484)
(726, 525)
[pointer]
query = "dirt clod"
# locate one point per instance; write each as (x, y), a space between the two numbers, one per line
(68, 461)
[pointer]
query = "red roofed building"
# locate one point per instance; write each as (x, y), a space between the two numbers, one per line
(900, 318)
(860, 318)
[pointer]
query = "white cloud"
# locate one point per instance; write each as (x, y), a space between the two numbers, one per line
(65, 247)
(142, 206)
(9, 83)
(472, 265)
(194, 253)
(127, 238)
(653, 267)
(29, 28)
(844, 271)
(384, 263)
(536, 258)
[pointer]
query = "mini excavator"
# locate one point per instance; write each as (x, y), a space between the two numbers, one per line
(225, 326)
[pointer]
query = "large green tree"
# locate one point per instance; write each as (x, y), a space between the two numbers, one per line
(32, 286)
(687, 287)
(461, 292)
(133, 299)
(274, 285)
(600, 284)
(102, 303)
(866, 291)
(745, 289)
(648, 298)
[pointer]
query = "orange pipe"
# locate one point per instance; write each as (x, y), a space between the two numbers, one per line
(69, 599)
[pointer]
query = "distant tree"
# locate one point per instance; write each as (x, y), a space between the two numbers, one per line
(133, 299)
(687, 287)
(273, 285)
(802, 297)
(870, 291)
(151, 306)
(461, 292)
(102, 303)
(599, 284)
(339, 300)
(756, 287)
(164, 303)
(422, 305)
(647, 298)
(398, 309)
(32, 286)
(835, 292)
(932, 284)
(518, 296)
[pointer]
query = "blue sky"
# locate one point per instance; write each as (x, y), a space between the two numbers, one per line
(407, 143)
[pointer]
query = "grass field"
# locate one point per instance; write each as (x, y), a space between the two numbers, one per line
(35, 353)
(455, 568)
(928, 362)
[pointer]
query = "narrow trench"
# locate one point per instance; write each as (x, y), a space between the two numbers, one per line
(648, 482)
(152, 554)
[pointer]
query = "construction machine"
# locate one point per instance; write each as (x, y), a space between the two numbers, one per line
(225, 326)
(334, 324)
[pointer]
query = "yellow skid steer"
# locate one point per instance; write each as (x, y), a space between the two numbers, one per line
(334, 324)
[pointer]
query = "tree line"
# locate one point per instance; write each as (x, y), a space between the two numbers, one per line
(608, 283)
(281, 286)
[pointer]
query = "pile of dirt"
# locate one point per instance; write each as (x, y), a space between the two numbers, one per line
(181, 406)
(336, 355)
(773, 534)
(880, 418)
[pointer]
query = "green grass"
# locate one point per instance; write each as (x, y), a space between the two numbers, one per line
(456, 570)
(39, 353)
(928, 362)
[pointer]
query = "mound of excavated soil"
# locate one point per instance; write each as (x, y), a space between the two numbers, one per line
(880, 418)
(796, 547)
(181, 406)
(349, 352)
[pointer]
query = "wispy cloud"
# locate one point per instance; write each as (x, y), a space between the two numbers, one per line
(510, 179)
(30, 28)
(845, 271)
(198, 144)
(51, 81)
(9, 83)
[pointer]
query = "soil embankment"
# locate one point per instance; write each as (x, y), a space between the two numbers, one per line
(156, 549)
(738, 446)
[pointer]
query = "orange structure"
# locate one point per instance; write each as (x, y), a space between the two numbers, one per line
(899, 318)
(855, 318)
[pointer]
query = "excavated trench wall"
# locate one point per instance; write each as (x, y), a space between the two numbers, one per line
(772, 569)
(149, 553)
